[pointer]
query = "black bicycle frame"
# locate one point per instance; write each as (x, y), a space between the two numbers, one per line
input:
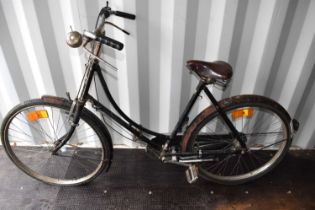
(138, 129)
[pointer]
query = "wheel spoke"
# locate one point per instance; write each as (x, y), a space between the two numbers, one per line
(273, 144)
(31, 144)
(264, 133)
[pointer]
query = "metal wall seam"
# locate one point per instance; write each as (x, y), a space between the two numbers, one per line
(270, 45)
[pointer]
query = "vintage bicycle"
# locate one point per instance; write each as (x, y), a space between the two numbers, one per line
(60, 141)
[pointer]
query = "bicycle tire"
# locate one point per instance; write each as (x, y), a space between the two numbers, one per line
(223, 176)
(76, 160)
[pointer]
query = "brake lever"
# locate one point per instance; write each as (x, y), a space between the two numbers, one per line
(112, 24)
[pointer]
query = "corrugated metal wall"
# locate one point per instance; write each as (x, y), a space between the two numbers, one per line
(270, 44)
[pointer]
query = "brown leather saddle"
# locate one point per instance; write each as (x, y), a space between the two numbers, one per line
(211, 71)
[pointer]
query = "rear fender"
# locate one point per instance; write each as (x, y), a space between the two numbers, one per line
(235, 100)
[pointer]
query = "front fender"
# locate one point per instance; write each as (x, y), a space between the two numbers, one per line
(56, 100)
(66, 102)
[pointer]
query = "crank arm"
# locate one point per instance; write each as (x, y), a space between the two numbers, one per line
(190, 160)
(198, 160)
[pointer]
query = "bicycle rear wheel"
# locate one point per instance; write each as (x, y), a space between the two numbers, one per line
(263, 127)
(29, 133)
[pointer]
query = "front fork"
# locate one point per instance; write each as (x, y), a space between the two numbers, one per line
(74, 118)
(77, 105)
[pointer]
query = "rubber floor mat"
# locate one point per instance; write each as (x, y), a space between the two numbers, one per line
(136, 181)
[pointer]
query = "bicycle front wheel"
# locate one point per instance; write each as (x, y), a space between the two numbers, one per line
(30, 131)
(264, 129)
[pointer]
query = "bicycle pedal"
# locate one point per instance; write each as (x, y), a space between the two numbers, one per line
(192, 174)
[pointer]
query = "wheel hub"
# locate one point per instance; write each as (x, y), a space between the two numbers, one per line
(237, 145)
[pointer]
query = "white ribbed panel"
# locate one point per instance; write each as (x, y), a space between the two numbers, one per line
(257, 48)
(270, 45)
(5, 84)
(34, 45)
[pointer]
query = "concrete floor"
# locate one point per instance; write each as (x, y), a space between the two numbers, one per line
(136, 181)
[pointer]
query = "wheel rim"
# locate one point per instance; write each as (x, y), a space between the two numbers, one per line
(266, 137)
(30, 141)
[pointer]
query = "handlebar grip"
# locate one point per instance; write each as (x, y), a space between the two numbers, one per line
(125, 15)
(110, 42)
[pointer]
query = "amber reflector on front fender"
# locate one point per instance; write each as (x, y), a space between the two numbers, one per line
(35, 115)
(246, 112)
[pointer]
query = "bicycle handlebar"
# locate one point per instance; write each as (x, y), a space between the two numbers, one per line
(104, 40)
(107, 11)
(110, 42)
(124, 15)
(97, 35)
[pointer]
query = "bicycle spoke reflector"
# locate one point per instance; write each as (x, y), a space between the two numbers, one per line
(246, 112)
(36, 115)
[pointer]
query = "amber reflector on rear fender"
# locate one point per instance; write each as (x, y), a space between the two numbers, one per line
(246, 112)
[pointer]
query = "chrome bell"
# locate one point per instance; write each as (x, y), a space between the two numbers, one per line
(74, 39)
